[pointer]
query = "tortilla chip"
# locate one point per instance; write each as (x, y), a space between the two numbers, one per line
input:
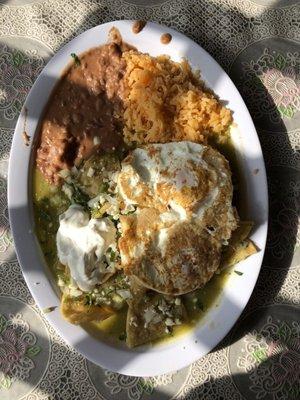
(240, 246)
(137, 332)
(77, 312)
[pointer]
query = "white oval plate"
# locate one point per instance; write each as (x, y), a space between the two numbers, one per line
(172, 356)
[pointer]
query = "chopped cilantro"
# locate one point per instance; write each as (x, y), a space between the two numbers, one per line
(88, 299)
(79, 197)
(65, 278)
(96, 213)
(112, 255)
(47, 310)
(115, 221)
(76, 59)
(122, 336)
(45, 216)
(119, 278)
(104, 187)
(199, 305)
(238, 272)
(49, 253)
(131, 212)
(132, 145)
(146, 298)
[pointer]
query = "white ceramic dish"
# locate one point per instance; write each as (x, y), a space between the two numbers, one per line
(218, 321)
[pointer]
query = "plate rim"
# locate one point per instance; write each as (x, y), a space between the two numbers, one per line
(131, 360)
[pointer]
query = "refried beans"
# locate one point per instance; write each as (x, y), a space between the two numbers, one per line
(84, 114)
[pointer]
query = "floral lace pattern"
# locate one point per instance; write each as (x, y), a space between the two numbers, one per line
(281, 149)
(134, 387)
(271, 358)
(234, 23)
(71, 383)
(239, 34)
(5, 234)
(272, 86)
(12, 283)
(283, 88)
(284, 235)
(18, 347)
(6, 137)
(116, 386)
(209, 378)
(18, 71)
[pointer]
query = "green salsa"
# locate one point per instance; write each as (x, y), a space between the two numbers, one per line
(49, 202)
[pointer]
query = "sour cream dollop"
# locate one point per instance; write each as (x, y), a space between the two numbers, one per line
(81, 244)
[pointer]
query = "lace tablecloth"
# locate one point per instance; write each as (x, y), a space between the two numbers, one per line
(257, 43)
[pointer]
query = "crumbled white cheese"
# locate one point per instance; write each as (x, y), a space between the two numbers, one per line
(129, 208)
(169, 322)
(96, 140)
(74, 170)
(60, 282)
(157, 318)
(125, 294)
(64, 173)
(90, 172)
(177, 301)
(149, 314)
(114, 177)
(163, 307)
(94, 201)
(114, 206)
(75, 292)
(132, 322)
(68, 191)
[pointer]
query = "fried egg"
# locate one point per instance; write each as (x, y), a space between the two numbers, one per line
(183, 194)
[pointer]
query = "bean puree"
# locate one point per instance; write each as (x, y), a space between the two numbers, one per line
(84, 113)
(138, 26)
(166, 38)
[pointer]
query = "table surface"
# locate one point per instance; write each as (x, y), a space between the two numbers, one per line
(257, 43)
